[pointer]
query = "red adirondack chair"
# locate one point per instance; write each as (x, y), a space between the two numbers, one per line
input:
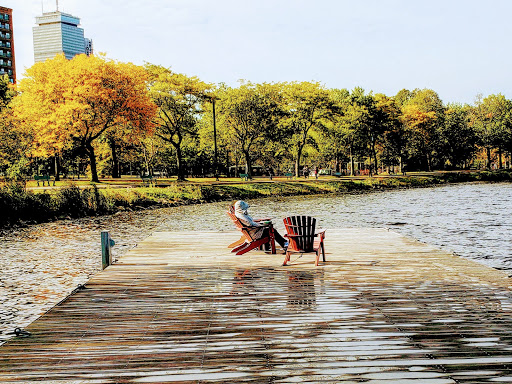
(247, 242)
(300, 231)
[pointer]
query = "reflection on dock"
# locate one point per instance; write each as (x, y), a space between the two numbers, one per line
(386, 310)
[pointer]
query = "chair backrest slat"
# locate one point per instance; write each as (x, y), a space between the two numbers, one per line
(304, 226)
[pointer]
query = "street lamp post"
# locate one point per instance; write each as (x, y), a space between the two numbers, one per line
(216, 165)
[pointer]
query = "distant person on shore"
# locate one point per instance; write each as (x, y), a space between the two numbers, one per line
(257, 229)
(305, 171)
(316, 172)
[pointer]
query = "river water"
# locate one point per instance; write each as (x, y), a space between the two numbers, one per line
(41, 264)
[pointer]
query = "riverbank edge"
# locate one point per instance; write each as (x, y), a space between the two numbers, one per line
(20, 207)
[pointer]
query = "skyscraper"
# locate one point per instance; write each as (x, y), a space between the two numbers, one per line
(7, 63)
(58, 32)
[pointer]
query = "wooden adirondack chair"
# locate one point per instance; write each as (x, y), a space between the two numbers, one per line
(300, 231)
(246, 242)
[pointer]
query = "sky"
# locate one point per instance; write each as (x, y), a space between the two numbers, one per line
(458, 48)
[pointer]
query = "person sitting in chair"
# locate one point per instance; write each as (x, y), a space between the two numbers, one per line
(258, 228)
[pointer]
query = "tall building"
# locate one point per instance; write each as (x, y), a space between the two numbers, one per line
(58, 32)
(7, 63)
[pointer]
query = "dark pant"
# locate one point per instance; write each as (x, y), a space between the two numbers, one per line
(279, 239)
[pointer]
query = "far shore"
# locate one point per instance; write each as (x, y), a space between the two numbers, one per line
(31, 204)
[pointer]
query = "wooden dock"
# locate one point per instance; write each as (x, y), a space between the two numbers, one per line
(180, 308)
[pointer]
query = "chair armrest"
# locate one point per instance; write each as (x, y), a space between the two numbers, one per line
(322, 233)
(265, 219)
(291, 235)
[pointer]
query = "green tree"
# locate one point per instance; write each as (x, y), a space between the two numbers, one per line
(359, 125)
(392, 131)
(15, 146)
(458, 139)
(309, 106)
(491, 117)
(251, 114)
(180, 101)
(333, 146)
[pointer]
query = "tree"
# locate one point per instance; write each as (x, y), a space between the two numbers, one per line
(15, 142)
(7, 93)
(457, 138)
(422, 115)
(81, 100)
(179, 99)
(333, 146)
(491, 117)
(15, 146)
(308, 107)
(252, 114)
(357, 124)
(392, 130)
(371, 123)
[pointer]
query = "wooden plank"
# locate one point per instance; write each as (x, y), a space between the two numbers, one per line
(180, 307)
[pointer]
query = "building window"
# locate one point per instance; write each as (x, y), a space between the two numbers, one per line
(7, 35)
(6, 16)
(8, 45)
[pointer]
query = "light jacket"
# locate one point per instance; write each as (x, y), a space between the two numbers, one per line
(255, 229)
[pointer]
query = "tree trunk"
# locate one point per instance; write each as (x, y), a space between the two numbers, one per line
(352, 164)
(248, 164)
(115, 160)
(236, 165)
(179, 163)
(488, 157)
(92, 160)
(500, 152)
(57, 167)
(146, 160)
(374, 152)
(370, 171)
(297, 161)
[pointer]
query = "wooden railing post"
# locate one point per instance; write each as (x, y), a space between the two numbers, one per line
(106, 253)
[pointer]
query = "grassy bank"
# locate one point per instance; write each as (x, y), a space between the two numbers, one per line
(18, 206)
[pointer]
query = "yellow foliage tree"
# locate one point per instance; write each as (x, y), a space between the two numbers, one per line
(80, 100)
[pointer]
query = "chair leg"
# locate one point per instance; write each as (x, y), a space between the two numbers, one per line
(323, 250)
(286, 258)
(317, 257)
(272, 241)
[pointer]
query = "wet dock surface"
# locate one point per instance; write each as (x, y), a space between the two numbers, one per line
(181, 308)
